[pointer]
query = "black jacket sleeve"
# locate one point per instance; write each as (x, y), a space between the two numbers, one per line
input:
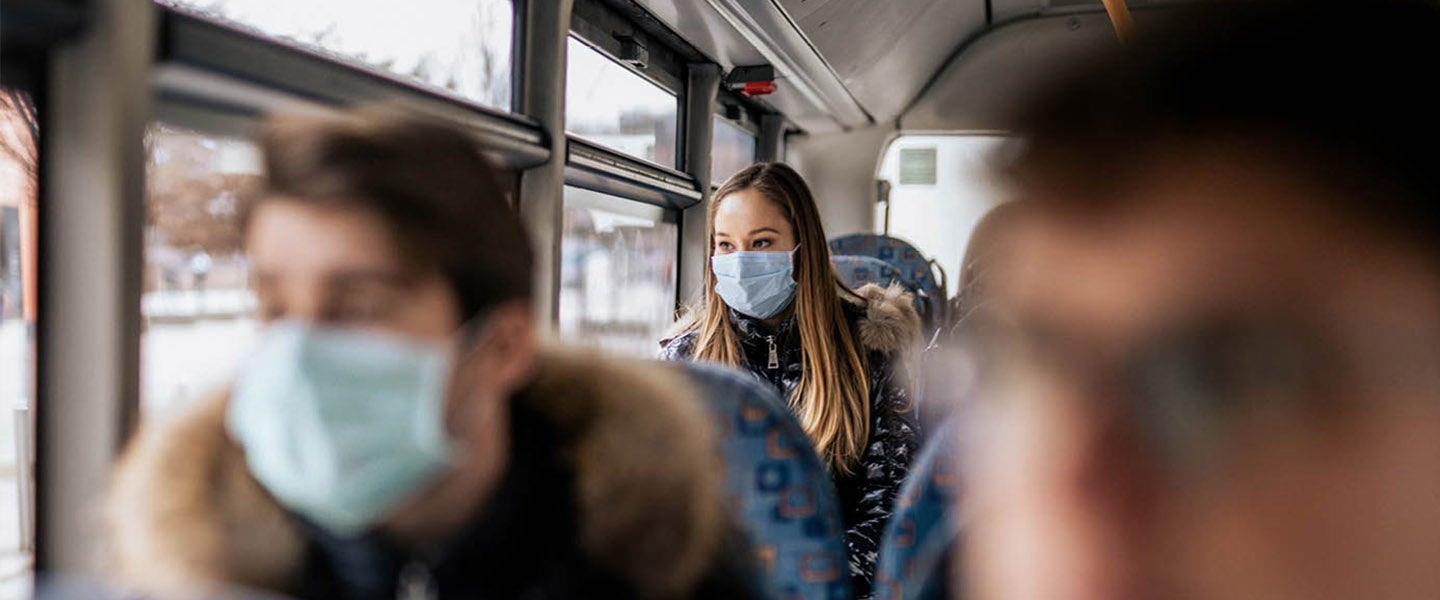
(869, 493)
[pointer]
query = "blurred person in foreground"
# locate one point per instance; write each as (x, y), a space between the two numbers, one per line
(1211, 353)
(396, 432)
(948, 379)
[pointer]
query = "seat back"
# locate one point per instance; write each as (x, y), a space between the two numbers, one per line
(857, 271)
(777, 485)
(916, 547)
(898, 253)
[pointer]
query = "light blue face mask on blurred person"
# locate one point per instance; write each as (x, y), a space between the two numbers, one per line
(757, 284)
(342, 426)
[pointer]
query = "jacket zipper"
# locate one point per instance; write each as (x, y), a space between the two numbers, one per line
(416, 582)
(774, 353)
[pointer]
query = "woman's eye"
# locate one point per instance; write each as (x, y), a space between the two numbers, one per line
(725, 246)
(762, 244)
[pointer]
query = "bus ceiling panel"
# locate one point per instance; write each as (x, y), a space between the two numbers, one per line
(751, 32)
(804, 114)
(800, 9)
(996, 71)
(798, 64)
(706, 30)
(885, 52)
(215, 66)
(1004, 10)
(594, 167)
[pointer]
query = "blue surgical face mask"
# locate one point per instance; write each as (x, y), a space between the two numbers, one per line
(342, 426)
(757, 284)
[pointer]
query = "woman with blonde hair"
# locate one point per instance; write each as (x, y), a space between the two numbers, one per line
(774, 306)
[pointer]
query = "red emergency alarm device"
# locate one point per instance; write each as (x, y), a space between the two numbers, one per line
(758, 88)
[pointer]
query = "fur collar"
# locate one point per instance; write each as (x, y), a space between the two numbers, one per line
(885, 317)
(184, 513)
(890, 323)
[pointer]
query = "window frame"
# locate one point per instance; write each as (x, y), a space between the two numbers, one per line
(674, 66)
(679, 109)
(600, 26)
(597, 168)
(205, 64)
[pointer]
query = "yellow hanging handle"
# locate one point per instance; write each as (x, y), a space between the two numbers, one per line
(1120, 18)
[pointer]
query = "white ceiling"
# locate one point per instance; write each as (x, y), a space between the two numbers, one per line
(885, 51)
(996, 71)
(1000, 68)
(863, 61)
(878, 53)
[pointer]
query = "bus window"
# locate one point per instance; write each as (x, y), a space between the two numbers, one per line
(940, 187)
(457, 47)
(19, 132)
(733, 150)
(618, 272)
(196, 302)
(617, 108)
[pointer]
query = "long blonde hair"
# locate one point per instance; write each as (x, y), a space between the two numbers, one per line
(832, 401)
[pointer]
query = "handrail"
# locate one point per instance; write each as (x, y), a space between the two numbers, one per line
(1120, 17)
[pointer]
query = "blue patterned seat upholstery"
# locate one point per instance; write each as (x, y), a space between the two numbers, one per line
(856, 271)
(912, 265)
(915, 552)
(778, 487)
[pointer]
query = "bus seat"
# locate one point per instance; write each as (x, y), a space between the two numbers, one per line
(925, 274)
(916, 547)
(777, 486)
(856, 271)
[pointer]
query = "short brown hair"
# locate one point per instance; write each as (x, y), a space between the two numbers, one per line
(427, 181)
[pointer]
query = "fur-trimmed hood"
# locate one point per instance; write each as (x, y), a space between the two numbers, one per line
(185, 514)
(889, 323)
